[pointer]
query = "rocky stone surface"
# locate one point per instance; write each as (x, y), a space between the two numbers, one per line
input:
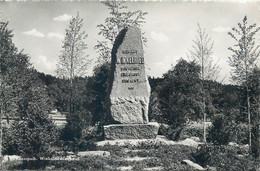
(130, 90)
(194, 165)
(131, 131)
(93, 153)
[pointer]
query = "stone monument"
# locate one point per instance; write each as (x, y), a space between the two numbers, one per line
(129, 90)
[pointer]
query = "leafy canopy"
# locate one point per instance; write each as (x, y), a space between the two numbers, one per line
(119, 18)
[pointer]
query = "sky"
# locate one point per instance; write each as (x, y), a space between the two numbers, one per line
(170, 28)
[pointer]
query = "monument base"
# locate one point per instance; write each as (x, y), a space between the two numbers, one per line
(131, 131)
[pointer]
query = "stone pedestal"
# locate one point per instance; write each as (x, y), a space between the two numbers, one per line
(131, 131)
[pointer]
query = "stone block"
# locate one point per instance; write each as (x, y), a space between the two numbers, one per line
(130, 90)
(131, 131)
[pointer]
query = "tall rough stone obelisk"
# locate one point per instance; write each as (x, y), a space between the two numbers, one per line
(130, 90)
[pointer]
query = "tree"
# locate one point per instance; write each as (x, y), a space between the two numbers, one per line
(201, 53)
(180, 95)
(35, 131)
(254, 89)
(118, 19)
(73, 60)
(22, 97)
(7, 53)
(243, 59)
(72, 67)
(98, 87)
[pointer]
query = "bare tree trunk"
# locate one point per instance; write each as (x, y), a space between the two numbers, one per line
(204, 126)
(204, 111)
(249, 117)
(203, 90)
(1, 117)
(1, 137)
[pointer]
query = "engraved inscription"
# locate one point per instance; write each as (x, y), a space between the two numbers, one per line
(129, 51)
(130, 60)
(130, 74)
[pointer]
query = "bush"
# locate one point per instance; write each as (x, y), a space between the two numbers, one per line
(86, 140)
(10, 144)
(38, 141)
(83, 144)
(169, 132)
(224, 157)
(194, 129)
(225, 131)
(256, 141)
(186, 131)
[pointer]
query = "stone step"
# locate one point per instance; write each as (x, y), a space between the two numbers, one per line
(154, 168)
(136, 158)
(124, 168)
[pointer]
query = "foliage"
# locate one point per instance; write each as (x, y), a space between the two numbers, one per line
(118, 19)
(243, 60)
(159, 155)
(72, 65)
(202, 53)
(81, 117)
(225, 130)
(167, 156)
(24, 101)
(86, 140)
(254, 88)
(98, 94)
(254, 93)
(180, 94)
(225, 157)
(255, 141)
(73, 60)
(192, 130)
(12, 67)
(36, 133)
(154, 110)
(10, 144)
(245, 51)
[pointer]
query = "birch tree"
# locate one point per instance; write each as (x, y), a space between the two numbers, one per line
(245, 54)
(201, 53)
(73, 59)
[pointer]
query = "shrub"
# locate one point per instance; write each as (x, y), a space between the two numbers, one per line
(83, 144)
(190, 131)
(38, 141)
(170, 133)
(194, 129)
(225, 131)
(256, 141)
(186, 131)
(224, 157)
(85, 141)
(10, 144)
